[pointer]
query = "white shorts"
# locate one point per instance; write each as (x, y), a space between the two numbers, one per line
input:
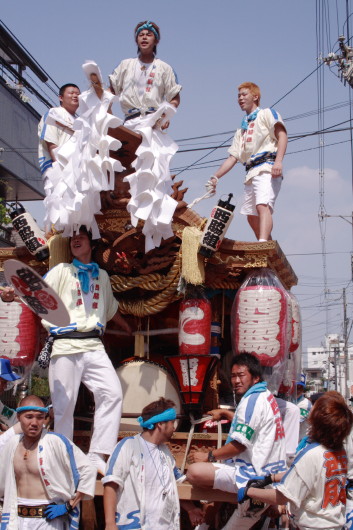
(225, 481)
(225, 478)
(261, 189)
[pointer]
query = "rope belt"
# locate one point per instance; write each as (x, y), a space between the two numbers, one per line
(32, 511)
(260, 160)
(77, 335)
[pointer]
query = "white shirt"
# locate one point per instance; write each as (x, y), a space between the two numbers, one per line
(256, 141)
(258, 426)
(64, 280)
(158, 487)
(163, 85)
(55, 127)
(315, 487)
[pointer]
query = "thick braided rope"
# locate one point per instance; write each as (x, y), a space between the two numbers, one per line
(160, 301)
(150, 282)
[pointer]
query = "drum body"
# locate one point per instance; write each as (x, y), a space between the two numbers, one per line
(142, 382)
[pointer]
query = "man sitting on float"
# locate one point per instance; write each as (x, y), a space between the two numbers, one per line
(255, 444)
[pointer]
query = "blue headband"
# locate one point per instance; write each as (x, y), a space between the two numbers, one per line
(30, 407)
(166, 415)
(149, 27)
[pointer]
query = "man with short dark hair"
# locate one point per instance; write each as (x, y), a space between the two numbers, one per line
(140, 484)
(56, 126)
(42, 475)
(255, 444)
(78, 354)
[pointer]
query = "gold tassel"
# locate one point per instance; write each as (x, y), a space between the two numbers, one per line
(192, 265)
(59, 249)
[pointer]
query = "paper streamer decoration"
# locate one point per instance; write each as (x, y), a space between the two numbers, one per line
(83, 167)
(151, 185)
(195, 327)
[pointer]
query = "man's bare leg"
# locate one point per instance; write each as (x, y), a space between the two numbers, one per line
(201, 474)
(253, 221)
(265, 221)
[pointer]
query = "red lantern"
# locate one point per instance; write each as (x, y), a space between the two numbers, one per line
(193, 373)
(195, 327)
(19, 333)
(261, 323)
(296, 336)
(296, 330)
(287, 385)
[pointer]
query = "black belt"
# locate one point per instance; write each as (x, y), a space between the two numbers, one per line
(31, 511)
(260, 160)
(130, 117)
(77, 335)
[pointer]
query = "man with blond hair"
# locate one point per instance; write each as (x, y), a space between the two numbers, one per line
(260, 145)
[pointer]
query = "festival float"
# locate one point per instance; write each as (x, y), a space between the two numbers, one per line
(179, 302)
(194, 300)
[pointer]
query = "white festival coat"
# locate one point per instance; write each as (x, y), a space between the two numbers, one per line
(64, 280)
(64, 468)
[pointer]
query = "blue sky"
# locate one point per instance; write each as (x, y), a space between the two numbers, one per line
(214, 47)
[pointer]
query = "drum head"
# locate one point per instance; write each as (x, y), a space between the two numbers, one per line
(143, 382)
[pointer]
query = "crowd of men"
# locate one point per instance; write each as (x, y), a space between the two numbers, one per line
(44, 476)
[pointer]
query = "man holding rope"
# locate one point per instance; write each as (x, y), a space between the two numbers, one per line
(260, 145)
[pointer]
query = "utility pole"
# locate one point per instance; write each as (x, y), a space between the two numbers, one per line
(336, 351)
(345, 344)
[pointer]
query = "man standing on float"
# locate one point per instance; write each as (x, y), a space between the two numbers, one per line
(148, 91)
(78, 354)
(56, 127)
(260, 145)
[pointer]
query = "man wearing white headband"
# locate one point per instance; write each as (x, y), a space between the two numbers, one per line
(148, 92)
(43, 476)
(140, 483)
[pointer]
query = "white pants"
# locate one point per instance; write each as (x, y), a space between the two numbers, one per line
(34, 523)
(349, 513)
(95, 370)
